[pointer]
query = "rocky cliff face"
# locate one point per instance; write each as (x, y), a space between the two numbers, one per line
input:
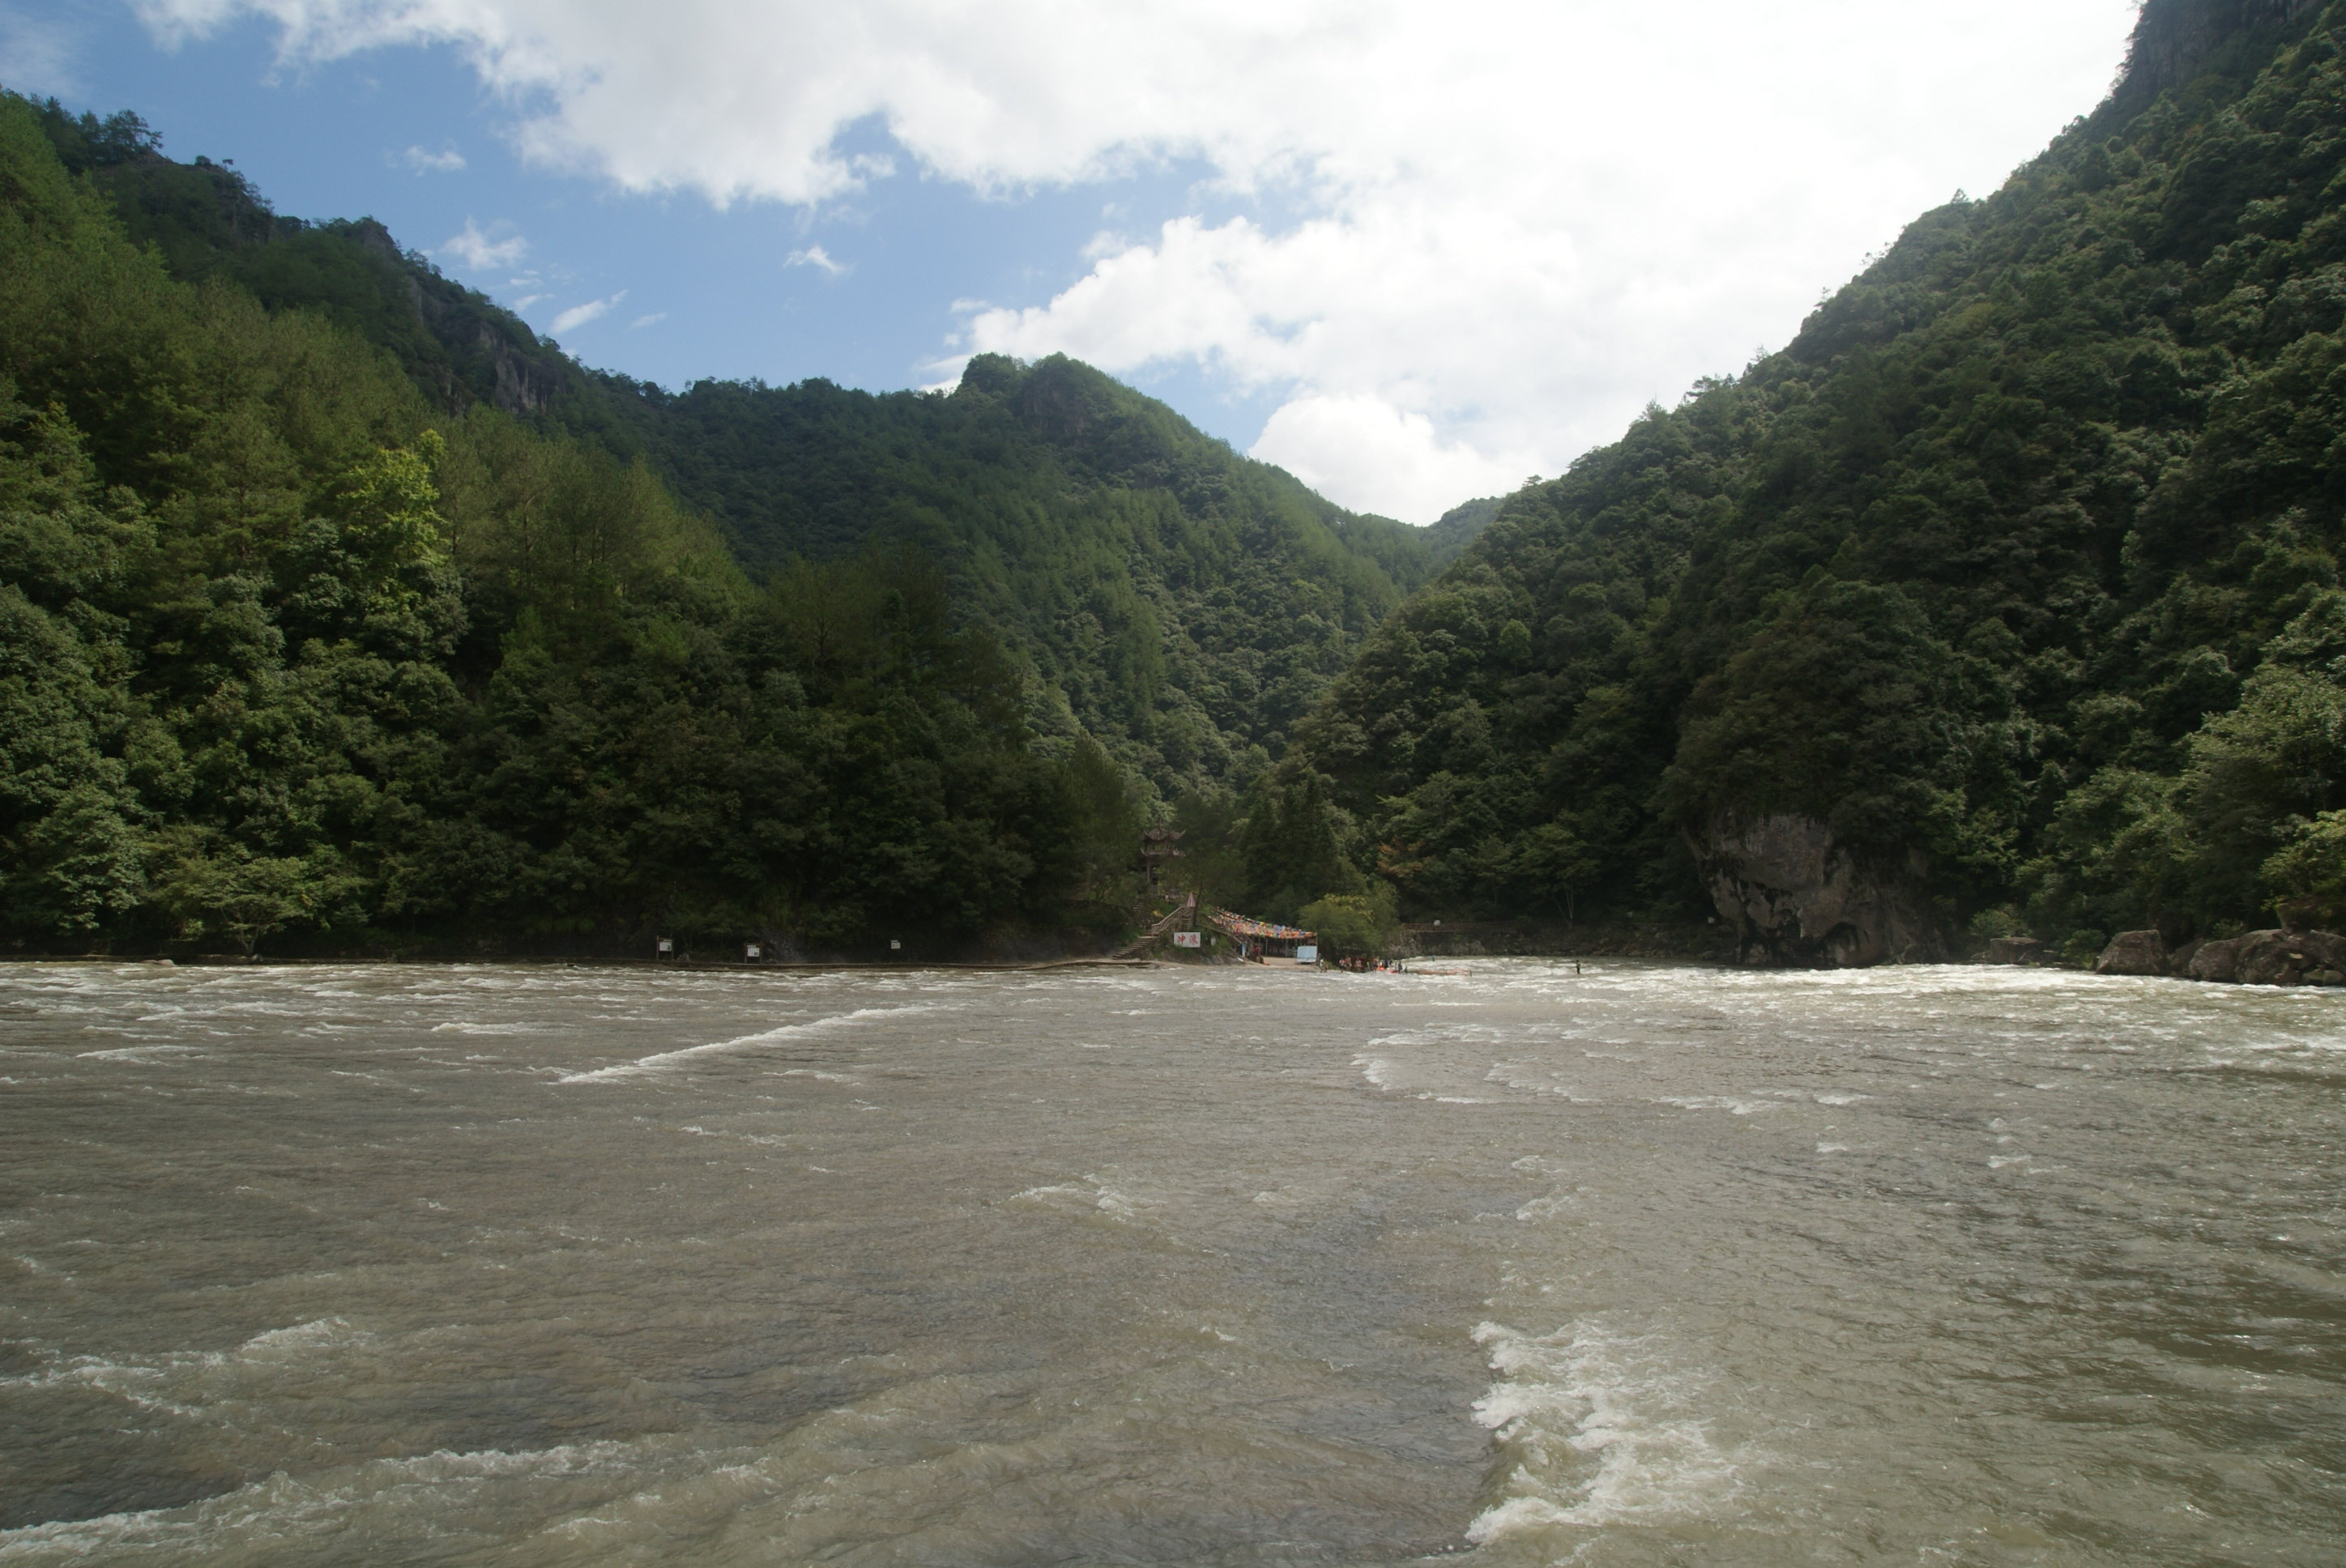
(2175, 37)
(1796, 899)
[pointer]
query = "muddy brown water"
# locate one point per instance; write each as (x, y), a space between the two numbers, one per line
(1640, 1263)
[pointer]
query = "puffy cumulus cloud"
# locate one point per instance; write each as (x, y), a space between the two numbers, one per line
(492, 249)
(740, 98)
(1505, 225)
(1391, 462)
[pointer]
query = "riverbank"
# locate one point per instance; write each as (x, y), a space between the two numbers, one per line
(1547, 939)
(695, 965)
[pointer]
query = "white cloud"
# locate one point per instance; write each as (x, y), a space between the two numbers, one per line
(422, 161)
(816, 256)
(1515, 222)
(654, 320)
(1364, 445)
(486, 251)
(579, 315)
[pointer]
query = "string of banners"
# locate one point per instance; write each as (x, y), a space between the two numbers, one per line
(1240, 925)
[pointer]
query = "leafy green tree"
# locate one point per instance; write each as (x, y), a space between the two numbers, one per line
(1104, 840)
(223, 888)
(1292, 847)
(1353, 925)
(2306, 877)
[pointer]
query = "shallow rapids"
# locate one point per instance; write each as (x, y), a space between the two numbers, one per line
(1518, 1265)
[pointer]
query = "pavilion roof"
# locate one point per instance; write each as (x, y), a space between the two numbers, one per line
(1244, 925)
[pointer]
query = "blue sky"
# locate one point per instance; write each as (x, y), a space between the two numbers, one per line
(332, 138)
(1412, 252)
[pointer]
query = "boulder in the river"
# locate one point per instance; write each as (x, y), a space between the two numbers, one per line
(2291, 958)
(1796, 898)
(2271, 958)
(2014, 950)
(2218, 960)
(2133, 953)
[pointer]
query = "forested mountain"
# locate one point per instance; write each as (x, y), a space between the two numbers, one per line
(291, 650)
(1447, 536)
(1182, 603)
(333, 601)
(2008, 596)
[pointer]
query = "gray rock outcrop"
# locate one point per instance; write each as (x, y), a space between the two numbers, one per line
(2291, 958)
(2172, 37)
(2215, 961)
(1796, 899)
(2014, 950)
(2133, 953)
(2273, 958)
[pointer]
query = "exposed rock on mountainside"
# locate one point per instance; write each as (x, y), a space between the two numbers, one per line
(2175, 38)
(1795, 897)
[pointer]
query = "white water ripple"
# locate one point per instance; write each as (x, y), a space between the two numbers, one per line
(1597, 1425)
(644, 1065)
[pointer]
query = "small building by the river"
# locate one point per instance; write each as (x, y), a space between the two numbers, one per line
(1260, 938)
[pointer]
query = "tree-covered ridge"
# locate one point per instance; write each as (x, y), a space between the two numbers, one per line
(207, 221)
(1183, 603)
(2018, 569)
(1186, 604)
(1447, 536)
(288, 646)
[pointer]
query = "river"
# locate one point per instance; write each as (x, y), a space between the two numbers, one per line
(1524, 1263)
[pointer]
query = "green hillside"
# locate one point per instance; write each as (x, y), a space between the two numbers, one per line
(1184, 605)
(2006, 597)
(1447, 536)
(293, 653)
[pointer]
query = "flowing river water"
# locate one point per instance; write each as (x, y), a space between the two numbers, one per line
(1524, 1263)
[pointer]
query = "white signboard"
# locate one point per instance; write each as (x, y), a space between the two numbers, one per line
(1188, 939)
(754, 951)
(1306, 955)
